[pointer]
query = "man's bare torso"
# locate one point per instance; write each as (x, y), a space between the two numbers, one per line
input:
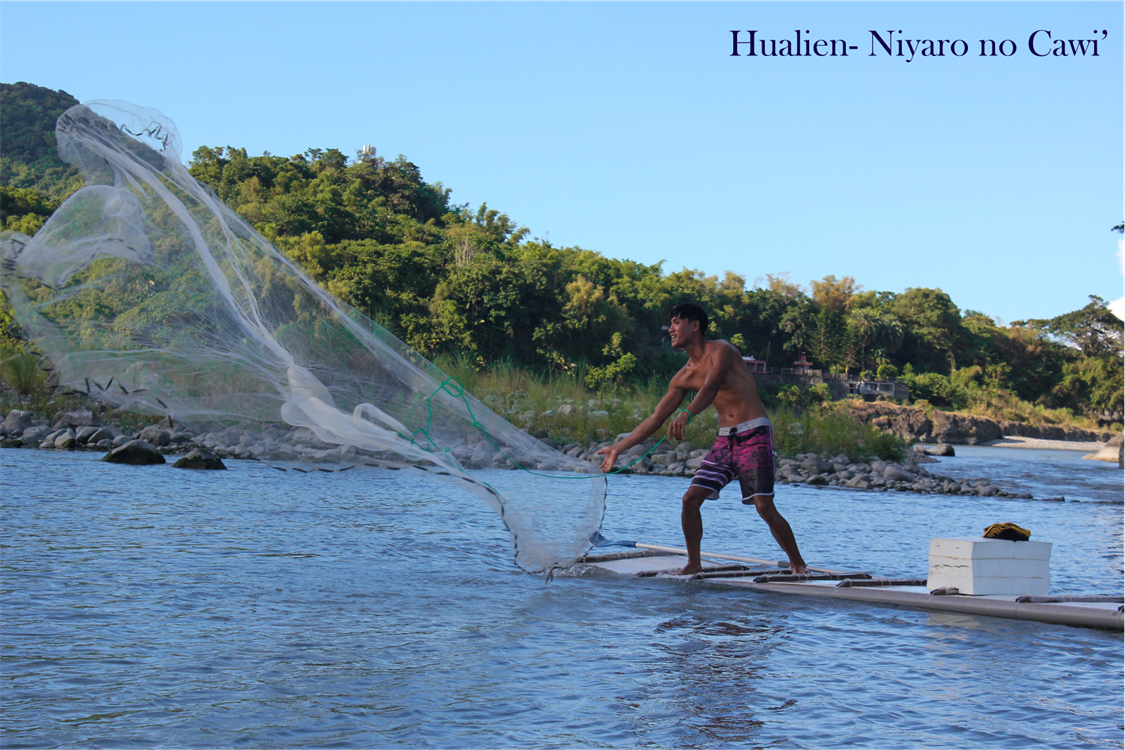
(737, 400)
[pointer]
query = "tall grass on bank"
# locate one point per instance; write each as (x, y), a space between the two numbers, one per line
(20, 370)
(41, 402)
(23, 385)
(829, 430)
(569, 412)
(561, 404)
(558, 405)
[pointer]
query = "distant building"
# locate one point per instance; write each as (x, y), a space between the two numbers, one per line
(803, 375)
(755, 365)
(870, 390)
(839, 384)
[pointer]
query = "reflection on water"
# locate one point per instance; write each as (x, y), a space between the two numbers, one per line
(716, 665)
(149, 606)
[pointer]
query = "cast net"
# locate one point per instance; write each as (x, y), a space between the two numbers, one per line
(148, 293)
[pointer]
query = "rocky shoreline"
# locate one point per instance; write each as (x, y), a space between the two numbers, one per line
(81, 429)
(814, 470)
(913, 424)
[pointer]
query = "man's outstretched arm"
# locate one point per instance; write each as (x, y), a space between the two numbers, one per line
(671, 401)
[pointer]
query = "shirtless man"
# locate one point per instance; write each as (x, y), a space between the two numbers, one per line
(744, 448)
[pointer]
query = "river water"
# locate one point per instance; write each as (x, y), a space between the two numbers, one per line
(148, 606)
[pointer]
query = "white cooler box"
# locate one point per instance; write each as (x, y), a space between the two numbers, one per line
(980, 567)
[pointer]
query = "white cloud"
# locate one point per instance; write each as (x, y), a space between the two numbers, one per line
(1117, 307)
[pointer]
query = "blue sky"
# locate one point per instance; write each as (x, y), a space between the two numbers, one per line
(628, 128)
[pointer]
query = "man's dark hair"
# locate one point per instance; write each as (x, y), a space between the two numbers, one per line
(691, 311)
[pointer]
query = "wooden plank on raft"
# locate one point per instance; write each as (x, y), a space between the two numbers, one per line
(1103, 612)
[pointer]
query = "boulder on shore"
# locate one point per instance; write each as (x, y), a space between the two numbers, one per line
(198, 459)
(18, 420)
(896, 474)
(1111, 451)
(134, 453)
(156, 435)
(941, 449)
(79, 416)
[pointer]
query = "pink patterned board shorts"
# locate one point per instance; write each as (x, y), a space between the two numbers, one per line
(745, 455)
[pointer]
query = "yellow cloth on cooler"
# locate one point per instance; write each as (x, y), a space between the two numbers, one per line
(1007, 531)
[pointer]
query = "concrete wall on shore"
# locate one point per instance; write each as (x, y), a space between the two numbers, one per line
(839, 385)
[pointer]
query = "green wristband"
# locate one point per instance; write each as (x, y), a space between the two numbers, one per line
(685, 411)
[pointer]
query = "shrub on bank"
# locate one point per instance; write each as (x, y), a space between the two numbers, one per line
(24, 386)
(20, 370)
(561, 405)
(805, 420)
(971, 391)
(829, 430)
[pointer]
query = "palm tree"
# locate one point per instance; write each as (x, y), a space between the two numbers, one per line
(890, 330)
(865, 322)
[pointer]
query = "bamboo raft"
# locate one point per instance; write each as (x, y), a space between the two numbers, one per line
(1102, 612)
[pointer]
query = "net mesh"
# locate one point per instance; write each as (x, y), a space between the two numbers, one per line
(147, 292)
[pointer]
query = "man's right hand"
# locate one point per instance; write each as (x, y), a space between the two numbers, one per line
(678, 429)
(611, 453)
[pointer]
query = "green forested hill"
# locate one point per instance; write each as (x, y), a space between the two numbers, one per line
(448, 278)
(451, 279)
(27, 140)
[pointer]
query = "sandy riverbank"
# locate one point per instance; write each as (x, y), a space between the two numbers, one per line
(1060, 445)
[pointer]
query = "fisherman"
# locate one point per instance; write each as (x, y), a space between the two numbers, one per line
(744, 448)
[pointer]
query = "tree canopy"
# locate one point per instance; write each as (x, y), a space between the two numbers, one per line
(28, 158)
(447, 278)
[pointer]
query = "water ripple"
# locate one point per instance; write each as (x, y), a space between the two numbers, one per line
(152, 607)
